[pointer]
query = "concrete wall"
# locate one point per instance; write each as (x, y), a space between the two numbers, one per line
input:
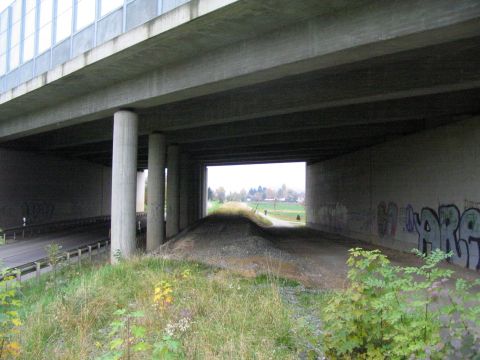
(418, 191)
(45, 189)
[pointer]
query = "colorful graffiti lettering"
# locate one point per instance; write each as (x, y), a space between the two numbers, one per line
(409, 219)
(449, 230)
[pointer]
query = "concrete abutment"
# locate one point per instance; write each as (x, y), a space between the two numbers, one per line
(420, 191)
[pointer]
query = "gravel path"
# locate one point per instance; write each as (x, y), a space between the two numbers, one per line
(314, 258)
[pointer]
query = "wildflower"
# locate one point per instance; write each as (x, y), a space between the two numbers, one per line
(162, 296)
(180, 326)
(170, 329)
(13, 349)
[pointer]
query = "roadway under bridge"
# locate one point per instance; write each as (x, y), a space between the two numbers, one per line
(381, 99)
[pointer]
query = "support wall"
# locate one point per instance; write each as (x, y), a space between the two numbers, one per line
(47, 189)
(420, 191)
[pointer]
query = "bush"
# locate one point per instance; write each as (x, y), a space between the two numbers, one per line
(9, 317)
(391, 312)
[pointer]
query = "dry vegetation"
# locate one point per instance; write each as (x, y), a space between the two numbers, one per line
(239, 209)
(224, 315)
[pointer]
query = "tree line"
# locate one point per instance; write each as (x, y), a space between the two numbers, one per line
(256, 194)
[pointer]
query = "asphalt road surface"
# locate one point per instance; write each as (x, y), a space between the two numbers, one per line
(33, 248)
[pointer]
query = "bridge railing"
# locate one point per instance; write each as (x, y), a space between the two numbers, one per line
(68, 256)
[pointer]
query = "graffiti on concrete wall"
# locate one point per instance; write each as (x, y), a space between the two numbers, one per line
(387, 217)
(362, 220)
(450, 230)
(38, 211)
(335, 216)
(409, 219)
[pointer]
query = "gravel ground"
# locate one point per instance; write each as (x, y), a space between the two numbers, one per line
(230, 242)
(314, 258)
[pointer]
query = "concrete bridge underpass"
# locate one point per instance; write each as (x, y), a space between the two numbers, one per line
(379, 98)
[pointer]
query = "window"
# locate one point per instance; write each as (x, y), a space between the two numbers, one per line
(3, 41)
(107, 6)
(85, 13)
(64, 20)
(29, 30)
(45, 32)
(15, 34)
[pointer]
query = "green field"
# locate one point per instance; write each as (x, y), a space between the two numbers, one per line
(280, 210)
(213, 206)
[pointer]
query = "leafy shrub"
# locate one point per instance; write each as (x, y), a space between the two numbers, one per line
(391, 312)
(9, 317)
(126, 337)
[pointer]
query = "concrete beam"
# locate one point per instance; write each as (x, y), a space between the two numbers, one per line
(124, 184)
(452, 69)
(282, 139)
(95, 137)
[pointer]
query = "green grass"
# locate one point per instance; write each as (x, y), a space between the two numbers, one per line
(281, 210)
(231, 317)
(213, 206)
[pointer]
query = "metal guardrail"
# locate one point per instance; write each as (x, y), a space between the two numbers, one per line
(35, 229)
(38, 265)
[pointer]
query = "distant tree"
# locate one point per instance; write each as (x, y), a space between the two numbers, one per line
(270, 193)
(220, 194)
(243, 195)
(210, 194)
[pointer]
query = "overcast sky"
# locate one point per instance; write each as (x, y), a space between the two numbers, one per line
(234, 178)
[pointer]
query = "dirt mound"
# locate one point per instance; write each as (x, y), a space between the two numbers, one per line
(232, 242)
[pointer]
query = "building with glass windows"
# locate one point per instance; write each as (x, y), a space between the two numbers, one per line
(37, 35)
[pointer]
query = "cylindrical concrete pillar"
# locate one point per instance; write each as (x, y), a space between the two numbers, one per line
(124, 184)
(193, 193)
(185, 178)
(140, 191)
(156, 191)
(172, 191)
(203, 191)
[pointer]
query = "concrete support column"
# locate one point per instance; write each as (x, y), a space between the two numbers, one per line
(193, 193)
(203, 191)
(156, 191)
(124, 184)
(140, 191)
(185, 179)
(173, 208)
